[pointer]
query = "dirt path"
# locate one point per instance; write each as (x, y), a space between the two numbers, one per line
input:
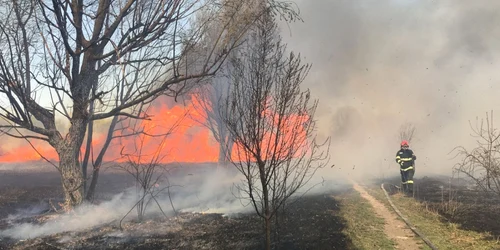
(394, 228)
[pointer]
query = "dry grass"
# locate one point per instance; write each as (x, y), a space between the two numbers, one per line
(364, 227)
(443, 234)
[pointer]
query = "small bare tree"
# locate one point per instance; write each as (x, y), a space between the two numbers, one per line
(482, 163)
(407, 132)
(147, 167)
(272, 122)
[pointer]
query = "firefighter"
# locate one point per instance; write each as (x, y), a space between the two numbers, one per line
(406, 160)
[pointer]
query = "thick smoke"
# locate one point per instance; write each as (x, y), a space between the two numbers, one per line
(377, 65)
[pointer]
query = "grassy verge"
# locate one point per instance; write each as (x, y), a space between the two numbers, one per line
(364, 227)
(443, 234)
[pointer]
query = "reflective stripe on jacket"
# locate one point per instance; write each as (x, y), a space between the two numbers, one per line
(405, 159)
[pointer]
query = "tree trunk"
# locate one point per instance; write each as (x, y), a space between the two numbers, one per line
(93, 183)
(71, 177)
(268, 232)
(100, 158)
(68, 148)
(225, 149)
(222, 153)
(88, 147)
(267, 211)
(222, 140)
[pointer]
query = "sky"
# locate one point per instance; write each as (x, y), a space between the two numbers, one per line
(379, 64)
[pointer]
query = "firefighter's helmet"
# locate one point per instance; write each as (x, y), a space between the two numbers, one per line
(404, 143)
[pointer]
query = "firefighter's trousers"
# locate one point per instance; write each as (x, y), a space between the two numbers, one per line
(407, 179)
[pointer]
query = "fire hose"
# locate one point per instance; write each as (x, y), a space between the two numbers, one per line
(413, 228)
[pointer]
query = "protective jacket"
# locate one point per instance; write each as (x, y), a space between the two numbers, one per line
(406, 159)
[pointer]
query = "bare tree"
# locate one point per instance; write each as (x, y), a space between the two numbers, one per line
(148, 174)
(206, 100)
(272, 122)
(482, 163)
(407, 132)
(146, 167)
(57, 56)
(208, 95)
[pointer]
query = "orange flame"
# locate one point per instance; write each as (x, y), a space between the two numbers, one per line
(188, 142)
(285, 137)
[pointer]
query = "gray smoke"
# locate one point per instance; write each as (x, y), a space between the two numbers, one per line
(201, 190)
(197, 189)
(379, 64)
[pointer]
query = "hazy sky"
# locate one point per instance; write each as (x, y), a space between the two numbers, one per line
(378, 64)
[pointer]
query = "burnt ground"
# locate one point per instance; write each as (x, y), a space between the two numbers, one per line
(457, 201)
(29, 189)
(312, 222)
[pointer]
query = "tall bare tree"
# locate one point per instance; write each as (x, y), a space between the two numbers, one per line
(206, 102)
(208, 95)
(482, 162)
(272, 122)
(57, 56)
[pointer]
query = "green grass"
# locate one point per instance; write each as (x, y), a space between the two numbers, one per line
(443, 234)
(364, 227)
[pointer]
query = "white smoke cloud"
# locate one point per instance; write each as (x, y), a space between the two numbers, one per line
(198, 189)
(377, 65)
(202, 190)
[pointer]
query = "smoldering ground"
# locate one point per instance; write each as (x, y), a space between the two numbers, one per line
(379, 64)
(196, 188)
(192, 189)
